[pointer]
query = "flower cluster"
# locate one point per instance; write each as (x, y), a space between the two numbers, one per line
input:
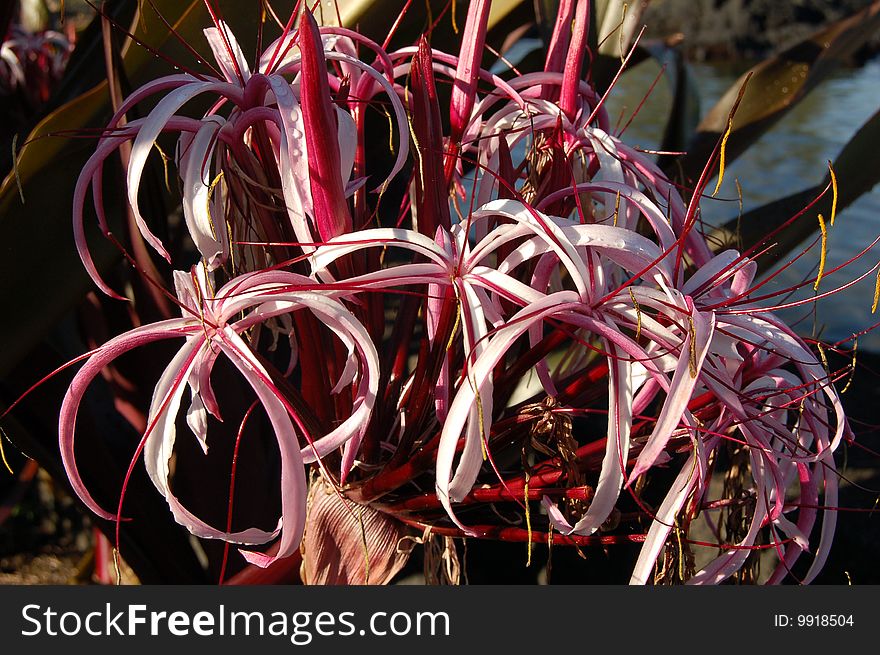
(536, 279)
(32, 64)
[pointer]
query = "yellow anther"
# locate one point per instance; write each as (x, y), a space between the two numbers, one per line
(528, 523)
(165, 161)
(876, 293)
(692, 359)
(824, 252)
(211, 188)
(454, 327)
(638, 313)
(116, 567)
(681, 572)
(3, 453)
(852, 366)
(722, 155)
(833, 192)
(482, 431)
(822, 355)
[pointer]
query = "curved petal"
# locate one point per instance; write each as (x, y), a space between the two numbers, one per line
(159, 447)
(381, 237)
(684, 380)
(147, 134)
(293, 158)
(293, 478)
(228, 53)
(546, 229)
(664, 520)
(460, 411)
(350, 331)
(170, 329)
(211, 238)
(613, 473)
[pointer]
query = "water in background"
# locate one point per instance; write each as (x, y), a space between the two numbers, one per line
(790, 157)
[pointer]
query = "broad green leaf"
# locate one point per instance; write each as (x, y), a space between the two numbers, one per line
(854, 176)
(776, 85)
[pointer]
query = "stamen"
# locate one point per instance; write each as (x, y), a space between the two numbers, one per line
(692, 359)
(483, 450)
(528, 519)
(455, 327)
(822, 355)
(824, 252)
(681, 573)
(6, 463)
(231, 244)
(876, 293)
(721, 156)
(116, 566)
(833, 192)
(165, 162)
(638, 313)
(418, 148)
(390, 136)
(208, 201)
(852, 366)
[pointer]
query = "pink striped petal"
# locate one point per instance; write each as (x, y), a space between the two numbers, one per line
(228, 54)
(170, 329)
(293, 478)
(684, 380)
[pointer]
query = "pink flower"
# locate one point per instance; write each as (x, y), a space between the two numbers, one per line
(212, 325)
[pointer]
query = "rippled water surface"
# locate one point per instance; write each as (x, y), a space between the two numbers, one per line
(790, 157)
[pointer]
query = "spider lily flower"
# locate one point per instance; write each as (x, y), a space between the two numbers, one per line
(741, 370)
(453, 262)
(595, 155)
(32, 63)
(454, 266)
(700, 360)
(212, 325)
(622, 352)
(12, 71)
(263, 132)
